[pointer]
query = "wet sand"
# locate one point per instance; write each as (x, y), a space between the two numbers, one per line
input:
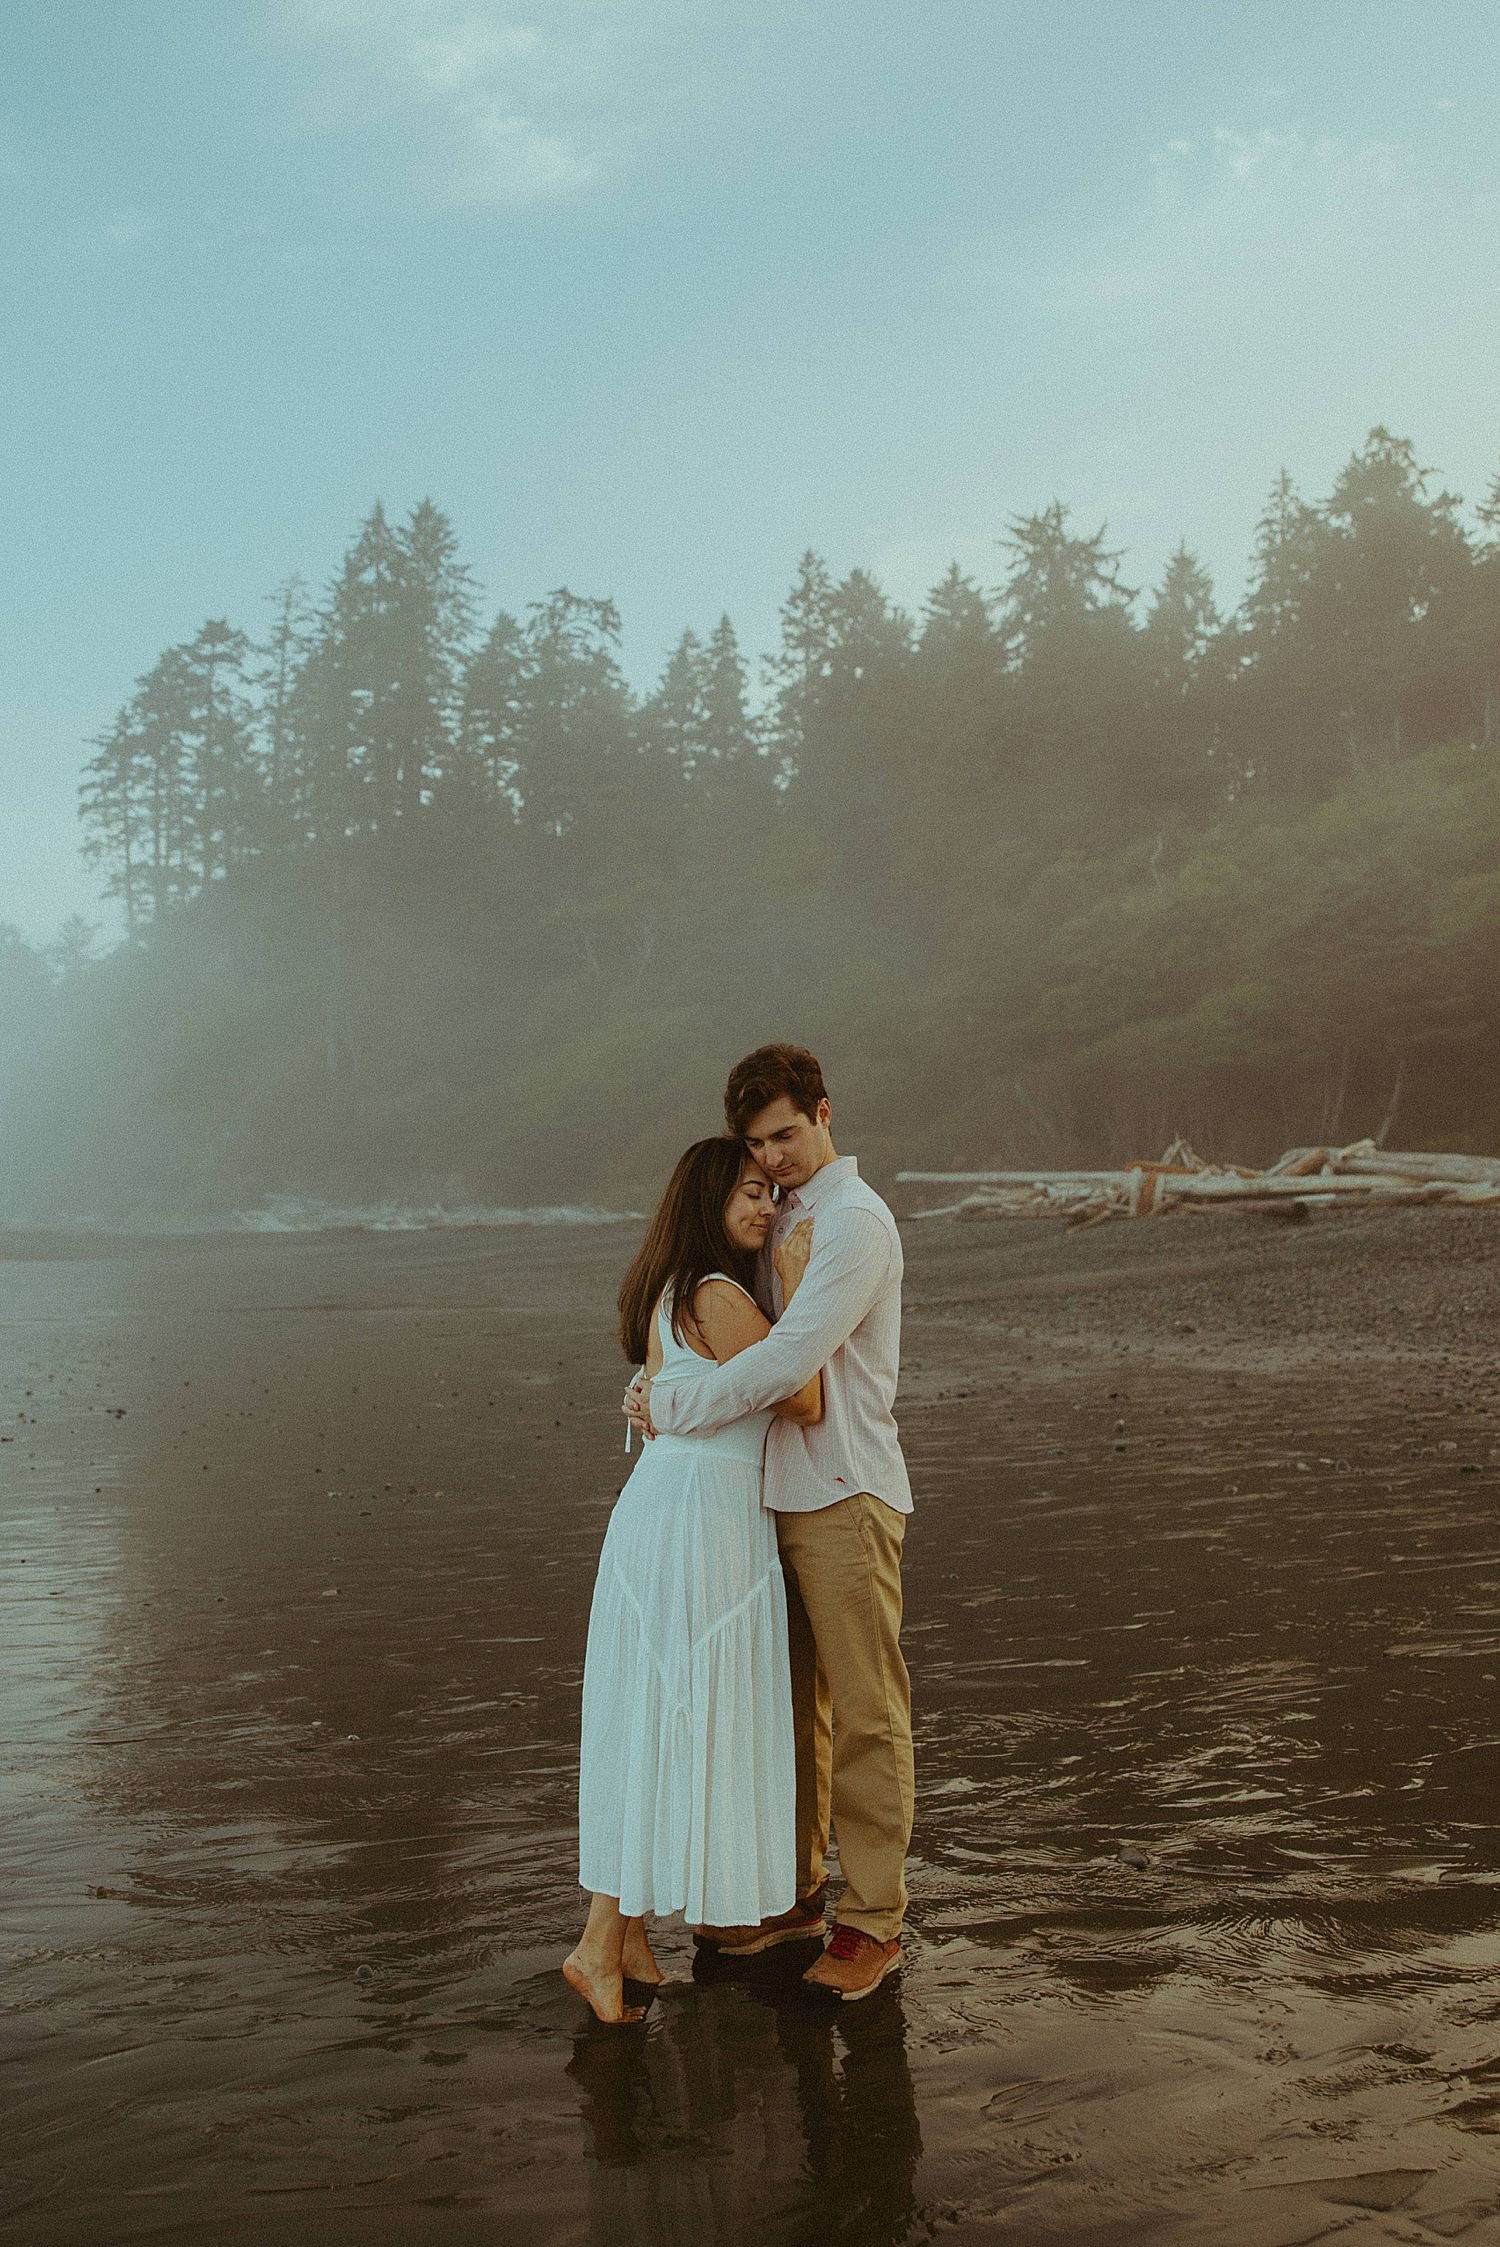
(1204, 1621)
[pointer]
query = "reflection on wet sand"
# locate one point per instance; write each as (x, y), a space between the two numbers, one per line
(747, 2112)
(298, 1541)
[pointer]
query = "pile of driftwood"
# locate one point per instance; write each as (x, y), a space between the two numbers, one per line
(1304, 1180)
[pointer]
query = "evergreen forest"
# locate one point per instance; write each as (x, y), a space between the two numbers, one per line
(418, 904)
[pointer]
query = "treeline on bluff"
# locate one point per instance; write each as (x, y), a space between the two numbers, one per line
(415, 907)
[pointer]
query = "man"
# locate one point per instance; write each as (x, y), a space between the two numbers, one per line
(841, 1496)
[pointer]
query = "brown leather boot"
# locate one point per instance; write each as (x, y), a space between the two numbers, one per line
(795, 1926)
(854, 1964)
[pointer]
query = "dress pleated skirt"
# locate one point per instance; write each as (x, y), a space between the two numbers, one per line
(687, 1779)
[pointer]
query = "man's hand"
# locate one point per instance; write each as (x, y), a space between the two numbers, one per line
(637, 1406)
(791, 1256)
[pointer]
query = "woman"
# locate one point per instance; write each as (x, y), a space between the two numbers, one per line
(686, 1783)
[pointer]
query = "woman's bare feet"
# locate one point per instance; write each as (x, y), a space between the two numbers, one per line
(638, 1960)
(601, 1987)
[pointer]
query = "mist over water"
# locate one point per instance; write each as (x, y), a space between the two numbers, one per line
(423, 910)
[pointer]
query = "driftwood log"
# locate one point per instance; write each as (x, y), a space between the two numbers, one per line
(1304, 1179)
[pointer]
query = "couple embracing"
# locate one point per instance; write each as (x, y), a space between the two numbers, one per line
(744, 1682)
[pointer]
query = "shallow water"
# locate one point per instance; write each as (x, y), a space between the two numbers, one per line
(298, 1538)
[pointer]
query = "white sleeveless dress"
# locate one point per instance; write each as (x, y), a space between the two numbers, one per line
(687, 1781)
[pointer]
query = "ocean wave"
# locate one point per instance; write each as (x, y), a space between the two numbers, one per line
(295, 1213)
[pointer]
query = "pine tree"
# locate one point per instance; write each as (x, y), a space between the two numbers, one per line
(1289, 540)
(1064, 621)
(433, 627)
(959, 684)
(282, 655)
(74, 948)
(957, 759)
(1057, 581)
(575, 734)
(852, 697)
(493, 716)
(734, 781)
(1181, 627)
(1397, 572)
(1182, 766)
(173, 799)
(798, 671)
(1280, 710)
(224, 772)
(1482, 620)
(674, 719)
(699, 776)
(112, 812)
(28, 1017)
(163, 706)
(730, 735)
(345, 764)
(958, 631)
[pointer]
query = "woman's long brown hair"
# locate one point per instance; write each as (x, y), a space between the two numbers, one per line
(685, 1241)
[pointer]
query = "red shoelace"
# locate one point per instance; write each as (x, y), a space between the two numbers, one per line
(847, 1941)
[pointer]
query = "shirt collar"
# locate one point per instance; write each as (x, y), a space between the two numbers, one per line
(822, 1182)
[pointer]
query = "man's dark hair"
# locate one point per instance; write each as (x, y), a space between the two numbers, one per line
(772, 1072)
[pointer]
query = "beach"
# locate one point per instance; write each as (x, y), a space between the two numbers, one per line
(1203, 1619)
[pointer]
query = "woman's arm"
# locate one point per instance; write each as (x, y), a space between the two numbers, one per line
(726, 1322)
(849, 1271)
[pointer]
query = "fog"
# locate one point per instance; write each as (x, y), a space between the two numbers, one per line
(423, 904)
(1093, 777)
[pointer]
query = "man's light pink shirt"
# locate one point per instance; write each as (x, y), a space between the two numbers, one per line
(844, 1318)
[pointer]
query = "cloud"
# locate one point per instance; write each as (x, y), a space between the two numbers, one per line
(1226, 162)
(1219, 209)
(519, 103)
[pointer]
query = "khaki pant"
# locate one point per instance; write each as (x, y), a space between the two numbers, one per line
(851, 1703)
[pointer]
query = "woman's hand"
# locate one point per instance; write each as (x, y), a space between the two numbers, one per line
(637, 1409)
(790, 1257)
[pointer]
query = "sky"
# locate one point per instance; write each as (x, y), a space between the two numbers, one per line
(650, 297)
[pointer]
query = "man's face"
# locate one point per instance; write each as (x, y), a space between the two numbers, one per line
(788, 1145)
